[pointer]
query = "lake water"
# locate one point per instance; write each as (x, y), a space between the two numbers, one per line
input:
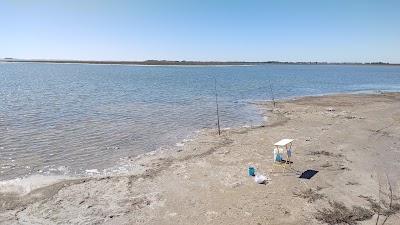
(70, 118)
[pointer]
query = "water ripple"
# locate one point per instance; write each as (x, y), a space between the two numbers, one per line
(67, 119)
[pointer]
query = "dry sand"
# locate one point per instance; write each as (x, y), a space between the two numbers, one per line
(352, 140)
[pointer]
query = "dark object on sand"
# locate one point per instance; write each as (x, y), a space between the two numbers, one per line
(308, 174)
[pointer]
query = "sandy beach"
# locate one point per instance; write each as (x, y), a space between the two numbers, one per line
(352, 142)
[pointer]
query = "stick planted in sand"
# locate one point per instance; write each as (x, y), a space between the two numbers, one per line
(216, 101)
(272, 93)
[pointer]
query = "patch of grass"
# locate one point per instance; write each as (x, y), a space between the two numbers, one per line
(338, 213)
(388, 210)
(394, 209)
(321, 153)
(326, 164)
(352, 183)
(325, 153)
(375, 206)
(309, 194)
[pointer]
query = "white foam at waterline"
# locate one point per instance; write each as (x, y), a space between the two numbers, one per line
(182, 143)
(63, 169)
(23, 186)
(92, 171)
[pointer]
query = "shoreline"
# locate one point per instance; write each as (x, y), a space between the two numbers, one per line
(206, 181)
(124, 167)
(123, 164)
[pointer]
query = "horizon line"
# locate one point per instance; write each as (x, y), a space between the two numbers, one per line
(164, 61)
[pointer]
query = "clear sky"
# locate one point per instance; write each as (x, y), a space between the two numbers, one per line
(205, 30)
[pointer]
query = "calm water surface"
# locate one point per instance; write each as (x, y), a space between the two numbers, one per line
(69, 118)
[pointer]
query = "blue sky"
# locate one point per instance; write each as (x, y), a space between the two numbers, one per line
(205, 30)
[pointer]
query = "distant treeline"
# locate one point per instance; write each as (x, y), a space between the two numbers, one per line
(200, 63)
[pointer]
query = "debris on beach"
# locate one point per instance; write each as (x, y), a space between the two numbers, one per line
(261, 179)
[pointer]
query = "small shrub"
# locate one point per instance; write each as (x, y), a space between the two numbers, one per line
(387, 210)
(309, 194)
(338, 213)
(395, 208)
(375, 206)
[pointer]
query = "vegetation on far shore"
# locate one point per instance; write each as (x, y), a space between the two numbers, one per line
(183, 62)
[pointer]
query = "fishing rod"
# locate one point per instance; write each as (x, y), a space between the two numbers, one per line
(216, 102)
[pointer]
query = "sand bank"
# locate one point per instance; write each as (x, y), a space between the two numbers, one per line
(353, 141)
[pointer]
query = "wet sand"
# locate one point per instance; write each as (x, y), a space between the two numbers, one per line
(353, 141)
